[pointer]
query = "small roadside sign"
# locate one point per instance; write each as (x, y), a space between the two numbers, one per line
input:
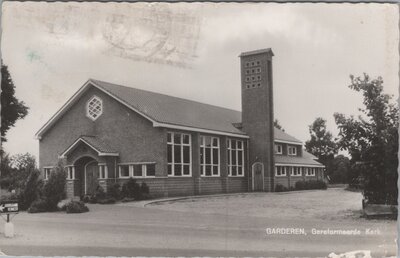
(7, 207)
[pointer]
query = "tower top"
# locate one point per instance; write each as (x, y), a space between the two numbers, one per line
(255, 52)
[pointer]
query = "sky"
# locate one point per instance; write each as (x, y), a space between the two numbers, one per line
(190, 50)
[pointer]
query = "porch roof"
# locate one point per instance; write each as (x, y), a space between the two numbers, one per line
(97, 144)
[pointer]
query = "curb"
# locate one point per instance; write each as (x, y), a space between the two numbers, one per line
(229, 194)
(150, 202)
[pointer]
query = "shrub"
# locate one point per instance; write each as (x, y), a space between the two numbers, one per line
(100, 194)
(144, 188)
(76, 207)
(39, 205)
(85, 198)
(106, 201)
(127, 199)
(309, 185)
(92, 198)
(280, 188)
(54, 189)
(10, 197)
(115, 191)
(131, 189)
(31, 190)
(62, 205)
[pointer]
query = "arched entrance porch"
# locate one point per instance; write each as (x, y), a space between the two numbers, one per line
(86, 173)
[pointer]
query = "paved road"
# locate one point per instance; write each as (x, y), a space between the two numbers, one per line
(149, 231)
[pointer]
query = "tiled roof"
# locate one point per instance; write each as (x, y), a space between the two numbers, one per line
(281, 135)
(98, 144)
(168, 110)
(306, 159)
(176, 111)
(95, 143)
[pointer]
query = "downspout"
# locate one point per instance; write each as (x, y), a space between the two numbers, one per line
(115, 170)
(248, 167)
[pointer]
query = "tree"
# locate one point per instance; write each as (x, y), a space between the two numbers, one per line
(278, 125)
(16, 169)
(339, 169)
(11, 108)
(23, 161)
(372, 140)
(321, 143)
(54, 189)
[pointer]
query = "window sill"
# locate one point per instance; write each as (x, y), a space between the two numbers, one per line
(180, 176)
(235, 176)
(210, 176)
(281, 175)
(296, 175)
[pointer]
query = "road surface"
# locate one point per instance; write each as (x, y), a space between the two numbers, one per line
(121, 230)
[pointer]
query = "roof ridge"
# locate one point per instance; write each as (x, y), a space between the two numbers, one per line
(163, 94)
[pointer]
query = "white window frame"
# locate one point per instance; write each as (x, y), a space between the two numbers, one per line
(120, 170)
(277, 146)
(292, 153)
(47, 171)
(131, 169)
(298, 173)
(181, 144)
(70, 172)
(203, 165)
(310, 171)
(282, 172)
(145, 170)
(101, 167)
(236, 150)
(101, 108)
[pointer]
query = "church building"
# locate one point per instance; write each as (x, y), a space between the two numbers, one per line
(108, 133)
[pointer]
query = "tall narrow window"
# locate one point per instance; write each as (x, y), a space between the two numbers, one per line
(292, 150)
(179, 154)
(209, 156)
(103, 172)
(235, 157)
(296, 171)
(280, 171)
(278, 148)
(310, 171)
(70, 172)
(47, 172)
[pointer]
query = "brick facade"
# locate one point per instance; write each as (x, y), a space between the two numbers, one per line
(257, 110)
(134, 138)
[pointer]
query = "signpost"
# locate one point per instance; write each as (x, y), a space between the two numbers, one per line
(7, 208)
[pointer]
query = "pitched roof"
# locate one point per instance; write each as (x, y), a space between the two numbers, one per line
(97, 144)
(169, 111)
(176, 111)
(306, 159)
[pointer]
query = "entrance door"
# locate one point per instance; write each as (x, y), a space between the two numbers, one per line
(258, 176)
(91, 176)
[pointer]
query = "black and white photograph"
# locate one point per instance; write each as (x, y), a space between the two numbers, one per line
(201, 129)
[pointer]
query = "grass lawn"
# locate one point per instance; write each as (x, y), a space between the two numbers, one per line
(331, 204)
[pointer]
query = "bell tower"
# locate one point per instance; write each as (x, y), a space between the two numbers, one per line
(258, 115)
